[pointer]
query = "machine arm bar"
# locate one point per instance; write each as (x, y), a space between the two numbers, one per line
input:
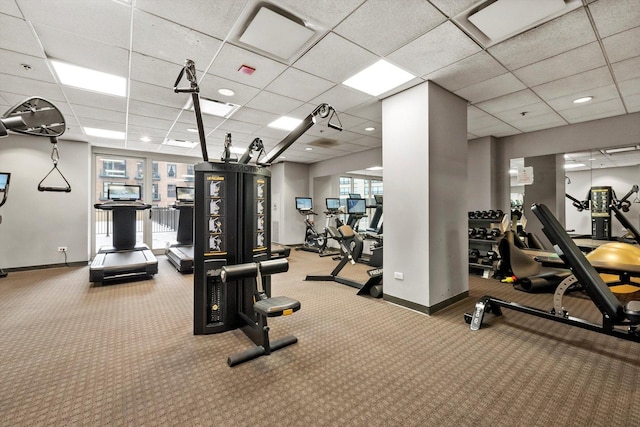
(579, 205)
(190, 70)
(321, 110)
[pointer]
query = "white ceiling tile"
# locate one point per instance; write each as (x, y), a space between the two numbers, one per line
(231, 58)
(210, 84)
(492, 88)
(273, 103)
(12, 64)
(632, 102)
(84, 111)
(470, 70)
(215, 18)
(627, 70)
(623, 45)
(100, 124)
(148, 109)
(428, 53)
(614, 16)
(150, 122)
(497, 129)
(453, 7)
(147, 69)
(95, 99)
(17, 37)
(511, 102)
(27, 87)
(371, 111)
(575, 61)
(104, 21)
(250, 115)
(326, 14)
(413, 19)
(350, 122)
(234, 126)
(342, 98)
(593, 111)
(335, 59)
(575, 84)
(559, 35)
(157, 94)
(533, 122)
(166, 40)
(630, 87)
(86, 52)
(10, 8)
(299, 85)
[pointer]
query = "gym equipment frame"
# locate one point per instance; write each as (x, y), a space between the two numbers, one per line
(621, 322)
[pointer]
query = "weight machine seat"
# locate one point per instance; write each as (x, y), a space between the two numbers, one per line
(276, 306)
(346, 231)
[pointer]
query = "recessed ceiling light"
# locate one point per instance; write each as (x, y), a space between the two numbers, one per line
(370, 129)
(378, 78)
(583, 99)
(213, 107)
(145, 139)
(103, 133)
(192, 130)
(285, 123)
(179, 143)
(226, 92)
(87, 79)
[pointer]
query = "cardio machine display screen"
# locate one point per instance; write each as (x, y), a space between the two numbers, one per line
(124, 192)
(356, 206)
(185, 194)
(4, 181)
(333, 204)
(304, 203)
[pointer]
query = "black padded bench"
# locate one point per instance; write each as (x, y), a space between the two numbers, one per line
(617, 320)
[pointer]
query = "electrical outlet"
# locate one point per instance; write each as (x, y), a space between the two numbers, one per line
(397, 275)
(62, 249)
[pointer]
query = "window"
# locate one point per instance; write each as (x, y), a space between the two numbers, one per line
(171, 191)
(155, 174)
(156, 193)
(139, 170)
(171, 170)
(189, 177)
(111, 167)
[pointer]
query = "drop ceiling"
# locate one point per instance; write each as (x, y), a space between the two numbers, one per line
(522, 84)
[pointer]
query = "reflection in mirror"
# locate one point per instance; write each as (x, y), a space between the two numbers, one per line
(33, 116)
(600, 179)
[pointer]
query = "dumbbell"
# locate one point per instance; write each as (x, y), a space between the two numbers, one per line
(478, 215)
(472, 232)
(495, 232)
(486, 215)
(481, 233)
(474, 254)
(472, 214)
(492, 255)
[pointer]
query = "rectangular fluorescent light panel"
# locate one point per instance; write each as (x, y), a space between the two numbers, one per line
(87, 79)
(213, 107)
(574, 165)
(379, 78)
(179, 143)
(275, 34)
(285, 123)
(509, 17)
(103, 133)
(619, 150)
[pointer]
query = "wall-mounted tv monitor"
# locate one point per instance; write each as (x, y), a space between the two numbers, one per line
(124, 192)
(356, 206)
(378, 198)
(355, 196)
(332, 204)
(185, 194)
(304, 203)
(4, 181)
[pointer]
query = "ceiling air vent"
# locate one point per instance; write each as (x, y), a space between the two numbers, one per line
(324, 143)
(492, 21)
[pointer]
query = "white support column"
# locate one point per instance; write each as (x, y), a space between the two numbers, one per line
(424, 141)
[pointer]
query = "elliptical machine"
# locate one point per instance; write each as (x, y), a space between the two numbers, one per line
(313, 241)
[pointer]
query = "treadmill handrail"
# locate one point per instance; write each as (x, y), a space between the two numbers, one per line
(586, 274)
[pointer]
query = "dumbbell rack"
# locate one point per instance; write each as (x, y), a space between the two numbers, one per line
(485, 245)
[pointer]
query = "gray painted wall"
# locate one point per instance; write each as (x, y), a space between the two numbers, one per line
(288, 180)
(35, 223)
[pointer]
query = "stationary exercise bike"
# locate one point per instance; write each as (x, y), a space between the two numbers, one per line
(313, 240)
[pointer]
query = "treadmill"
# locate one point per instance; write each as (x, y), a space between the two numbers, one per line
(181, 253)
(124, 259)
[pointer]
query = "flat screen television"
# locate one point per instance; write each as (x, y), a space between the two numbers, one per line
(124, 192)
(356, 206)
(185, 194)
(304, 203)
(333, 204)
(4, 181)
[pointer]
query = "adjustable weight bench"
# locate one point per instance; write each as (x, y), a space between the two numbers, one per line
(618, 321)
(263, 307)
